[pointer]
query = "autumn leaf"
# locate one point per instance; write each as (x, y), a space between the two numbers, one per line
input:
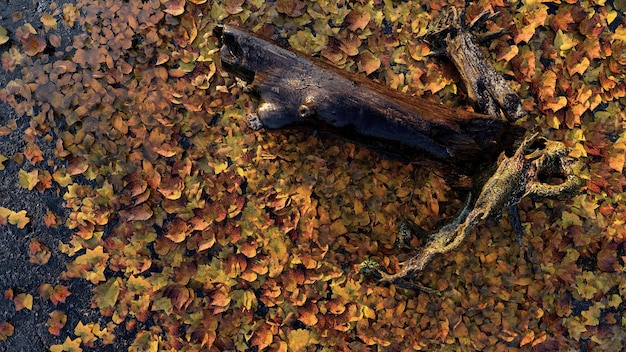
(262, 338)
(56, 322)
(19, 219)
(174, 7)
(39, 252)
(23, 300)
(6, 330)
(298, 339)
(28, 180)
(564, 41)
(51, 220)
(48, 21)
(106, 294)
(368, 63)
(2, 160)
(68, 345)
(3, 35)
(358, 18)
(58, 294)
(32, 43)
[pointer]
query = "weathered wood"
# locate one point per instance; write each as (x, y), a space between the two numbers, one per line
(485, 87)
(295, 90)
(515, 178)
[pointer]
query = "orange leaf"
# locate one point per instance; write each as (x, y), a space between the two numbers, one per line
(39, 252)
(50, 219)
(6, 330)
(358, 18)
(262, 338)
(56, 322)
(48, 21)
(368, 63)
(59, 294)
(177, 230)
(616, 162)
(527, 338)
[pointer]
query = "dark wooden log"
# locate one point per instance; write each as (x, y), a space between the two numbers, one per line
(485, 86)
(294, 90)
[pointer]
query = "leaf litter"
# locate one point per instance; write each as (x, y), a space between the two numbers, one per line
(228, 238)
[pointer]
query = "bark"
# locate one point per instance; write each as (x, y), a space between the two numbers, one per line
(488, 90)
(294, 90)
(515, 178)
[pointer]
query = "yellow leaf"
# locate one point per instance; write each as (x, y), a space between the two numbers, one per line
(298, 339)
(4, 214)
(28, 180)
(48, 21)
(620, 33)
(23, 300)
(19, 219)
(2, 160)
(616, 162)
(564, 41)
(3, 35)
(555, 104)
(62, 177)
(106, 294)
(337, 228)
(67, 346)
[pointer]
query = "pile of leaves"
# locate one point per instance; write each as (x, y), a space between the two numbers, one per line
(198, 232)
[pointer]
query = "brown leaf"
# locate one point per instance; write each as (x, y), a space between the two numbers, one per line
(174, 7)
(358, 18)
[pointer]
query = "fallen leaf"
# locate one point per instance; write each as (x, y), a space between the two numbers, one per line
(6, 330)
(3, 35)
(39, 252)
(68, 345)
(23, 300)
(19, 219)
(174, 7)
(56, 322)
(48, 21)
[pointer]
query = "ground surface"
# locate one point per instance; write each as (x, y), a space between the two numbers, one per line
(173, 226)
(16, 272)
